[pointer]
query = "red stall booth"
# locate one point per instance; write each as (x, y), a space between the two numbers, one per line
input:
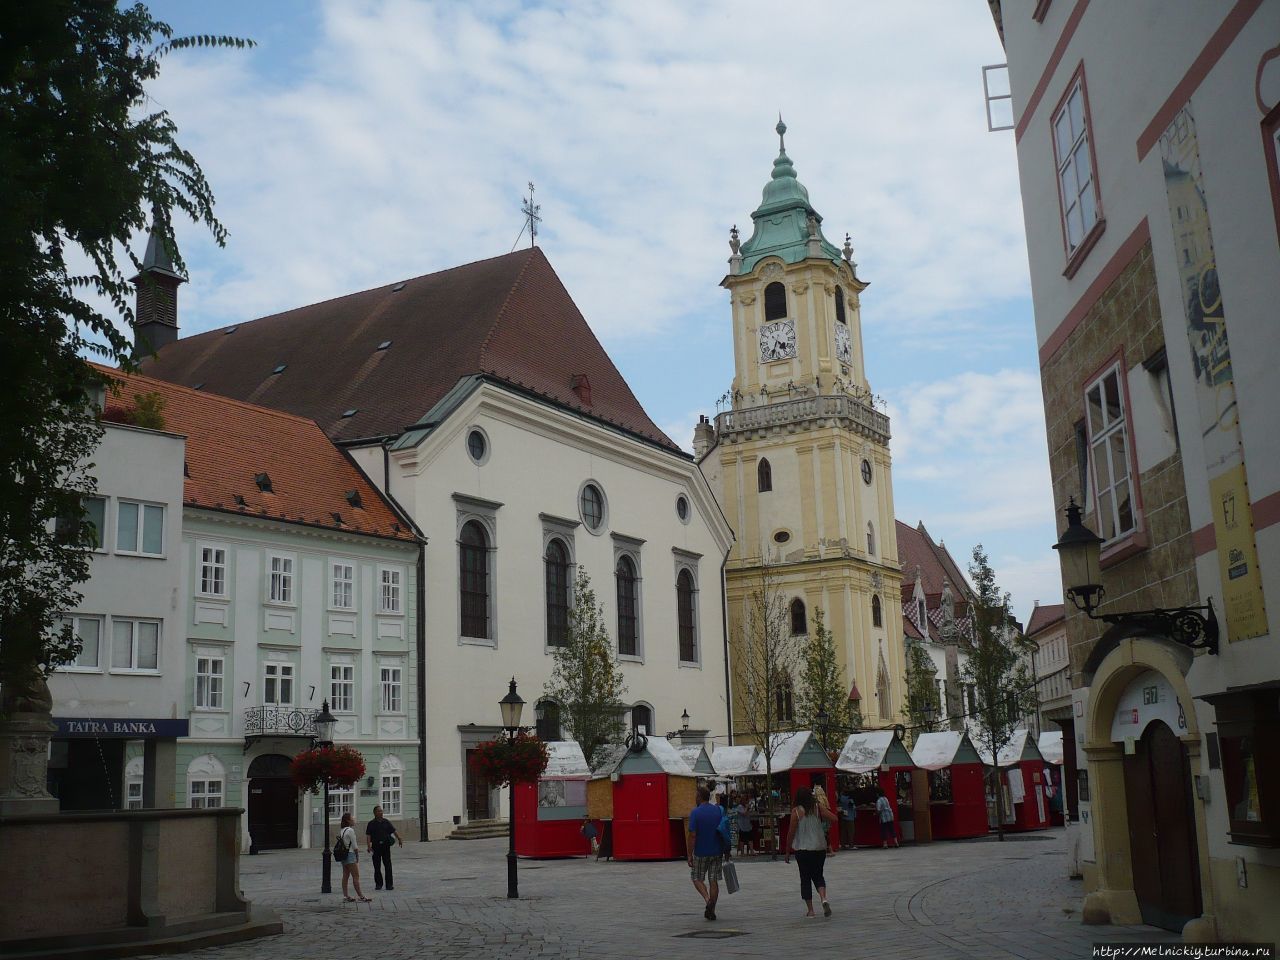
(871, 759)
(1050, 744)
(957, 787)
(653, 792)
(549, 813)
(798, 761)
(1022, 781)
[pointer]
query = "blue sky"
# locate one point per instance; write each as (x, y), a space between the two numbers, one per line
(364, 142)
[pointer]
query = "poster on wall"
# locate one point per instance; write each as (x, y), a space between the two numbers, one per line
(1218, 415)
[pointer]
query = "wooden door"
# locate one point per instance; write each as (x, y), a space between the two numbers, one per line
(478, 794)
(273, 813)
(640, 816)
(1162, 829)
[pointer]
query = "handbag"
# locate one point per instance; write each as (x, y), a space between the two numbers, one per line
(730, 872)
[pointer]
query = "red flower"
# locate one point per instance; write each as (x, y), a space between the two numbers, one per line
(505, 761)
(339, 766)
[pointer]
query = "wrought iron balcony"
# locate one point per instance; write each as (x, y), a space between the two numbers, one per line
(804, 413)
(271, 721)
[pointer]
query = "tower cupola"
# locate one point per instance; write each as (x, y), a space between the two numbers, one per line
(155, 320)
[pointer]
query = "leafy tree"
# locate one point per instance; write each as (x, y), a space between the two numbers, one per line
(999, 671)
(586, 680)
(823, 688)
(922, 691)
(86, 162)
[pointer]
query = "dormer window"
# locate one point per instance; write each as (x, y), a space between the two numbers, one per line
(840, 317)
(353, 498)
(775, 301)
(263, 481)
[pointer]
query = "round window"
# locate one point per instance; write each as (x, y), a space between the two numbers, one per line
(592, 506)
(781, 536)
(477, 446)
(866, 472)
(682, 509)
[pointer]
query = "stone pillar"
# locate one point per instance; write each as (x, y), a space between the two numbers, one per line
(159, 773)
(24, 746)
(1113, 901)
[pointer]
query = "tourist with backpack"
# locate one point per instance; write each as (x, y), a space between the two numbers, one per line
(345, 852)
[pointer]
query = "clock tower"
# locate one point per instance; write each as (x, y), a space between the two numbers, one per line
(800, 457)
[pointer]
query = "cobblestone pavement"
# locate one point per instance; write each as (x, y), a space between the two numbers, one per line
(977, 899)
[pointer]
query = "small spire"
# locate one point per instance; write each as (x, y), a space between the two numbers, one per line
(848, 248)
(734, 243)
(782, 131)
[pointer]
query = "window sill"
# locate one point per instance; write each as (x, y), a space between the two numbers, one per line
(1076, 260)
(69, 669)
(143, 556)
(477, 642)
(1254, 839)
(206, 711)
(122, 672)
(280, 604)
(1123, 548)
(215, 597)
(343, 610)
(689, 665)
(391, 613)
(631, 658)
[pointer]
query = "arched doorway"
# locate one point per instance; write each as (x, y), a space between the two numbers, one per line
(273, 803)
(1162, 824)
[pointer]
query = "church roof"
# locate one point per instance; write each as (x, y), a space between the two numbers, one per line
(262, 463)
(371, 363)
(918, 551)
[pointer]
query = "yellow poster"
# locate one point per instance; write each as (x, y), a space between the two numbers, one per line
(1242, 601)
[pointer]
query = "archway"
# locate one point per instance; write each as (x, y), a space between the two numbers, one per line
(273, 803)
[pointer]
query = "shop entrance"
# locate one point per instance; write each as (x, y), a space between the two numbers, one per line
(1162, 843)
(479, 793)
(273, 803)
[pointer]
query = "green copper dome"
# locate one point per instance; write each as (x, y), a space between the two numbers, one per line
(782, 219)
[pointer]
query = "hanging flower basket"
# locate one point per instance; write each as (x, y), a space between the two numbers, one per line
(506, 761)
(338, 766)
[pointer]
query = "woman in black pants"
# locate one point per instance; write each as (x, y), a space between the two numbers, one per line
(807, 838)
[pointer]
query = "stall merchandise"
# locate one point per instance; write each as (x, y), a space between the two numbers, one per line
(550, 812)
(957, 791)
(651, 792)
(798, 761)
(1022, 781)
(1051, 747)
(877, 759)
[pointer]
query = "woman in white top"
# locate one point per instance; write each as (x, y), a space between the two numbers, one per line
(350, 866)
(807, 838)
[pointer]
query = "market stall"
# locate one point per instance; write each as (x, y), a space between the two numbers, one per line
(550, 812)
(697, 759)
(798, 760)
(957, 792)
(870, 760)
(1050, 744)
(650, 792)
(1022, 782)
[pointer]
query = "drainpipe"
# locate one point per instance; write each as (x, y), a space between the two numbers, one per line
(724, 631)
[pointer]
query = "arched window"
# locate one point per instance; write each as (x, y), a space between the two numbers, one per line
(557, 559)
(840, 317)
(799, 623)
(628, 634)
(871, 539)
(882, 691)
(205, 779)
(784, 700)
(877, 620)
(133, 784)
(473, 580)
(547, 716)
(764, 476)
(775, 301)
(685, 617)
(391, 785)
(642, 716)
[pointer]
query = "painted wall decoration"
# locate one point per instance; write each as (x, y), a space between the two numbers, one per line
(1202, 300)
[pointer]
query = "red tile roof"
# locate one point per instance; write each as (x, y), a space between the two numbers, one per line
(916, 549)
(509, 317)
(1045, 615)
(229, 443)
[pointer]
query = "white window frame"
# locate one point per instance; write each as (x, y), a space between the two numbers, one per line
(76, 666)
(341, 800)
(630, 548)
(1101, 442)
(688, 561)
(205, 794)
(281, 585)
(391, 586)
(391, 786)
(346, 599)
(342, 681)
(134, 623)
(279, 673)
(1068, 158)
(133, 794)
(391, 687)
(484, 512)
(140, 537)
(211, 693)
(214, 571)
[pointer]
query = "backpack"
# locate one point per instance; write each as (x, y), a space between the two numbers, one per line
(339, 849)
(725, 830)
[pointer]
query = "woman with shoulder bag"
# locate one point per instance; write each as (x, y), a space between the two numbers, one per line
(350, 865)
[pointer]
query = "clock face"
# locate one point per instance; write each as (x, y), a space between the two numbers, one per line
(777, 341)
(844, 350)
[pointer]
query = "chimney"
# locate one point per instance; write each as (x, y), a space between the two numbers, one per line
(704, 437)
(155, 321)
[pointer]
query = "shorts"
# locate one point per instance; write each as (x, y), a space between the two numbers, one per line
(350, 857)
(706, 869)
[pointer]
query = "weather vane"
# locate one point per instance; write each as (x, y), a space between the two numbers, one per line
(531, 218)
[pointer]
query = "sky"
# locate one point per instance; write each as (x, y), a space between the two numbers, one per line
(360, 143)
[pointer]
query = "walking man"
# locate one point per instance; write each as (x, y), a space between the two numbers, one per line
(379, 835)
(705, 850)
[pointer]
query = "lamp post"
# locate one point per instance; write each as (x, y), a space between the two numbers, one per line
(1079, 550)
(928, 714)
(511, 705)
(325, 722)
(684, 720)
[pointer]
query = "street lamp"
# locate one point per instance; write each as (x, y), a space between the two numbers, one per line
(325, 722)
(684, 720)
(511, 705)
(1079, 549)
(928, 713)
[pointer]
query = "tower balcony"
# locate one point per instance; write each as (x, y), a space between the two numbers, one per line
(806, 413)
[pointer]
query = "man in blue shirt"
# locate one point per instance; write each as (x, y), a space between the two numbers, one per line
(705, 850)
